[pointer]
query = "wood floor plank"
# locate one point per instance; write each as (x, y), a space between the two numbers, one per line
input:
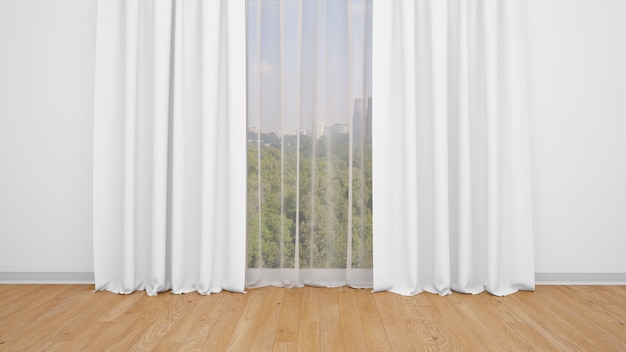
(51, 347)
(123, 304)
(373, 328)
(73, 318)
(213, 328)
(15, 293)
(243, 335)
(418, 330)
(267, 322)
(180, 324)
(442, 336)
(453, 323)
(330, 320)
(50, 315)
(396, 330)
(533, 338)
(351, 328)
(150, 315)
(617, 295)
(309, 330)
(162, 325)
(75, 324)
(477, 313)
(285, 346)
(597, 330)
(289, 322)
(127, 320)
(546, 322)
(601, 301)
(16, 314)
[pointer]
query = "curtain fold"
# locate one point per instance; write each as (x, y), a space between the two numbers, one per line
(169, 158)
(451, 148)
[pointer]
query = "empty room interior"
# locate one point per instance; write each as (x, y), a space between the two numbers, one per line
(312, 175)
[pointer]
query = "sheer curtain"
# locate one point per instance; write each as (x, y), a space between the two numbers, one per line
(451, 150)
(169, 150)
(309, 143)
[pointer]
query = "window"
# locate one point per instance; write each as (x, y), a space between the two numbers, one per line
(309, 134)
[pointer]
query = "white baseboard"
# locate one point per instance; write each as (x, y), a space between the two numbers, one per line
(88, 278)
(580, 278)
(46, 278)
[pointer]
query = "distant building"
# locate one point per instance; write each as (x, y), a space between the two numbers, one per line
(317, 129)
(340, 128)
(259, 130)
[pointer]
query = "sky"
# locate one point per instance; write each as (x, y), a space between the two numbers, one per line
(326, 62)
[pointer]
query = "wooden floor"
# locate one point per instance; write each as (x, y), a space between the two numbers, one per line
(73, 318)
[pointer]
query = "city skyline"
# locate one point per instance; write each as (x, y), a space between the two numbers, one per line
(320, 128)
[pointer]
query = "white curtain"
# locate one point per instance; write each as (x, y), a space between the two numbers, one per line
(451, 149)
(309, 143)
(169, 151)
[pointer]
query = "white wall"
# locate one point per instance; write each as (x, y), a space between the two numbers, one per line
(46, 102)
(578, 105)
(577, 57)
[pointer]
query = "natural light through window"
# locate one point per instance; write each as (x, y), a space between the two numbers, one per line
(309, 135)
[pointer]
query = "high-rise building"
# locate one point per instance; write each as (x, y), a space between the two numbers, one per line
(368, 119)
(357, 117)
(362, 125)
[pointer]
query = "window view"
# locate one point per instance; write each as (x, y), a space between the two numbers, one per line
(309, 134)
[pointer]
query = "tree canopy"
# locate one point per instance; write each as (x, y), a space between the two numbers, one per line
(317, 210)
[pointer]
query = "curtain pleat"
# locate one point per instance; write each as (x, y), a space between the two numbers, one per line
(451, 150)
(169, 161)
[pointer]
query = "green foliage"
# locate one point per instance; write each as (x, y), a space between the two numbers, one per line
(317, 211)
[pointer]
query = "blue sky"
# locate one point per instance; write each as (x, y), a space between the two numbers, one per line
(322, 76)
